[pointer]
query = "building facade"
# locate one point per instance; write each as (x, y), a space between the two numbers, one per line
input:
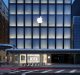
(3, 29)
(41, 25)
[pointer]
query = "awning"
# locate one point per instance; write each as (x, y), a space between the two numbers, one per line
(5, 46)
(42, 51)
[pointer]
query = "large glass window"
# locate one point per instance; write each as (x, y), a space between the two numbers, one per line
(51, 32)
(52, 20)
(66, 32)
(43, 9)
(27, 9)
(67, 20)
(36, 43)
(28, 20)
(59, 20)
(12, 20)
(59, 1)
(51, 1)
(20, 20)
(28, 33)
(35, 1)
(67, 9)
(12, 32)
(51, 9)
(20, 9)
(20, 1)
(59, 33)
(51, 43)
(20, 33)
(35, 32)
(43, 32)
(20, 43)
(59, 44)
(43, 1)
(28, 1)
(35, 23)
(27, 43)
(44, 18)
(12, 1)
(12, 9)
(36, 9)
(66, 44)
(59, 9)
(44, 44)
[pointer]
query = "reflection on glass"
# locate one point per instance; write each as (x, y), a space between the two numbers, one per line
(12, 1)
(67, 44)
(36, 43)
(35, 9)
(44, 18)
(59, 33)
(68, 1)
(59, 1)
(51, 1)
(27, 43)
(20, 20)
(51, 9)
(67, 9)
(27, 1)
(59, 20)
(59, 9)
(51, 43)
(12, 20)
(43, 32)
(59, 44)
(35, 1)
(52, 20)
(44, 44)
(43, 9)
(66, 32)
(19, 9)
(67, 20)
(12, 32)
(28, 33)
(20, 43)
(20, 33)
(13, 42)
(35, 23)
(13, 9)
(27, 9)
(51, 32)
(28, 20)
(35, 32)
(43, 1)
(20, 1)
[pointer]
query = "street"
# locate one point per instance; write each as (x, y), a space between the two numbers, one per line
(42, 72)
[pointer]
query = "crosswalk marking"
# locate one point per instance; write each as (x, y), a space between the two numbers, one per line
(14, 71)
(46, 71)
(73, 71)
(29, 72)
(59, 71)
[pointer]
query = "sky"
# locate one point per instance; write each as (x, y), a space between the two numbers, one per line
(6, 2)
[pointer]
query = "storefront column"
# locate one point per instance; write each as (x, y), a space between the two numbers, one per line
(41, 58)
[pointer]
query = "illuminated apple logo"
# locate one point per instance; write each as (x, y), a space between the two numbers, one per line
(40, 19)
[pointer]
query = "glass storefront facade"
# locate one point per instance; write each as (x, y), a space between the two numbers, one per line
(55, 31)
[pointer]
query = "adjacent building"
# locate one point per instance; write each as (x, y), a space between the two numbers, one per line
(42, 31)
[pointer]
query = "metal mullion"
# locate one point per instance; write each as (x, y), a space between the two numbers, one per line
(32, 23)
(55, 20)
(63, 22)
(24, 23)
(16, 23)
(47, 24)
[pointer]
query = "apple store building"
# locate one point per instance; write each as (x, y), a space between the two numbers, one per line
(41, 31)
